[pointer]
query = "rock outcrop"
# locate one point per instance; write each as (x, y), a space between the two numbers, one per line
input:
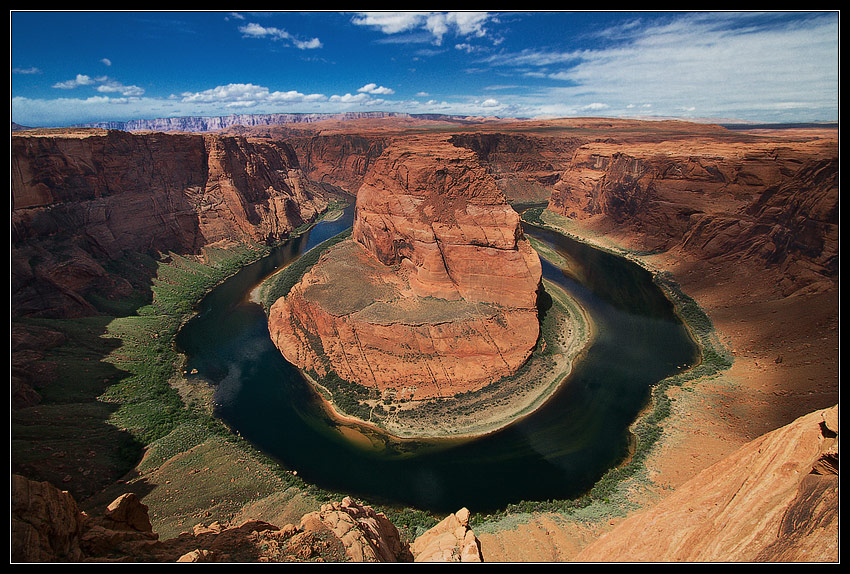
(452, 540)
(774, 500)
(367, 536)
(81, 199)
(435, 293)
(48, 526)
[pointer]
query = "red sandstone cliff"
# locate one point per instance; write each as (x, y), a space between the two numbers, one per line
(81, 199)
(342, 160)
(436, 292)
(771, 203)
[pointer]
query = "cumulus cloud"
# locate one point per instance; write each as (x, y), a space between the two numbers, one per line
(80, 80)
(375, 89)
(253, 30)
(103, 84)
(360, 98)
(437, 24)
(247, 95)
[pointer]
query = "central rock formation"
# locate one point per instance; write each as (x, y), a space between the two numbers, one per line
(436, 292)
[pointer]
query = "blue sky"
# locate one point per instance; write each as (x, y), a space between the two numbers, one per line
(73, 67)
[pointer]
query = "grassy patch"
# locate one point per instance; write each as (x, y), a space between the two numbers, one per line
(279, 284)
(111, 395)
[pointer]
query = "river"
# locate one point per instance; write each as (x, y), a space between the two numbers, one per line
(556, 453)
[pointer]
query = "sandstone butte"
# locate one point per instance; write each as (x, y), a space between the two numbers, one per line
(434, 294)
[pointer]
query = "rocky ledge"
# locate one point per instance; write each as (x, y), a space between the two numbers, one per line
(435, 293)
(48, 526)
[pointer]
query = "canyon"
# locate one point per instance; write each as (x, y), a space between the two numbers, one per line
(745, 221)
(81, 199)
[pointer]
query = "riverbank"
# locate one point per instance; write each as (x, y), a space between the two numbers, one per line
(259, 293)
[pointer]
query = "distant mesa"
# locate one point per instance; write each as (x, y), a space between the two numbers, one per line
(436, 291)
(215, 123)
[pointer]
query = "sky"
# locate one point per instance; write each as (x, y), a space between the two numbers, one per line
(71, 67)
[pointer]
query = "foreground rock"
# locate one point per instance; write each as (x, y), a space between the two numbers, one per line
(436, 292)
(774, 500)
(48, 526)
(452, 540)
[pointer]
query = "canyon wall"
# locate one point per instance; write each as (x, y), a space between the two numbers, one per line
(339, 159)
(435, 293)
(767, 203)
(82, 199)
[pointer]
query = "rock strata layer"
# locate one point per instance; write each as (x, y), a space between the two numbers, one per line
(436, 292)
(81, 200)
(761, 203)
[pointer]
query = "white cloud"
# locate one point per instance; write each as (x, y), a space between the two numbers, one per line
(375, 89)
(247, 95)
(80, 80)
(718, 64)
(390, 22)
(437, 24)
(595, 106)
(103, 84)
(26, 71)
(354, 99)
(253, 30)
(110, 86)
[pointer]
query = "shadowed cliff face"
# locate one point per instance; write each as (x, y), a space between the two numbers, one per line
(765, 203)
(436, 292)
(339, 159)
(82, 200)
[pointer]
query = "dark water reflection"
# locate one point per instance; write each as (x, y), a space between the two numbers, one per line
(556, 453)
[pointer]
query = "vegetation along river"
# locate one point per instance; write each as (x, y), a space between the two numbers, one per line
(558, 452)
